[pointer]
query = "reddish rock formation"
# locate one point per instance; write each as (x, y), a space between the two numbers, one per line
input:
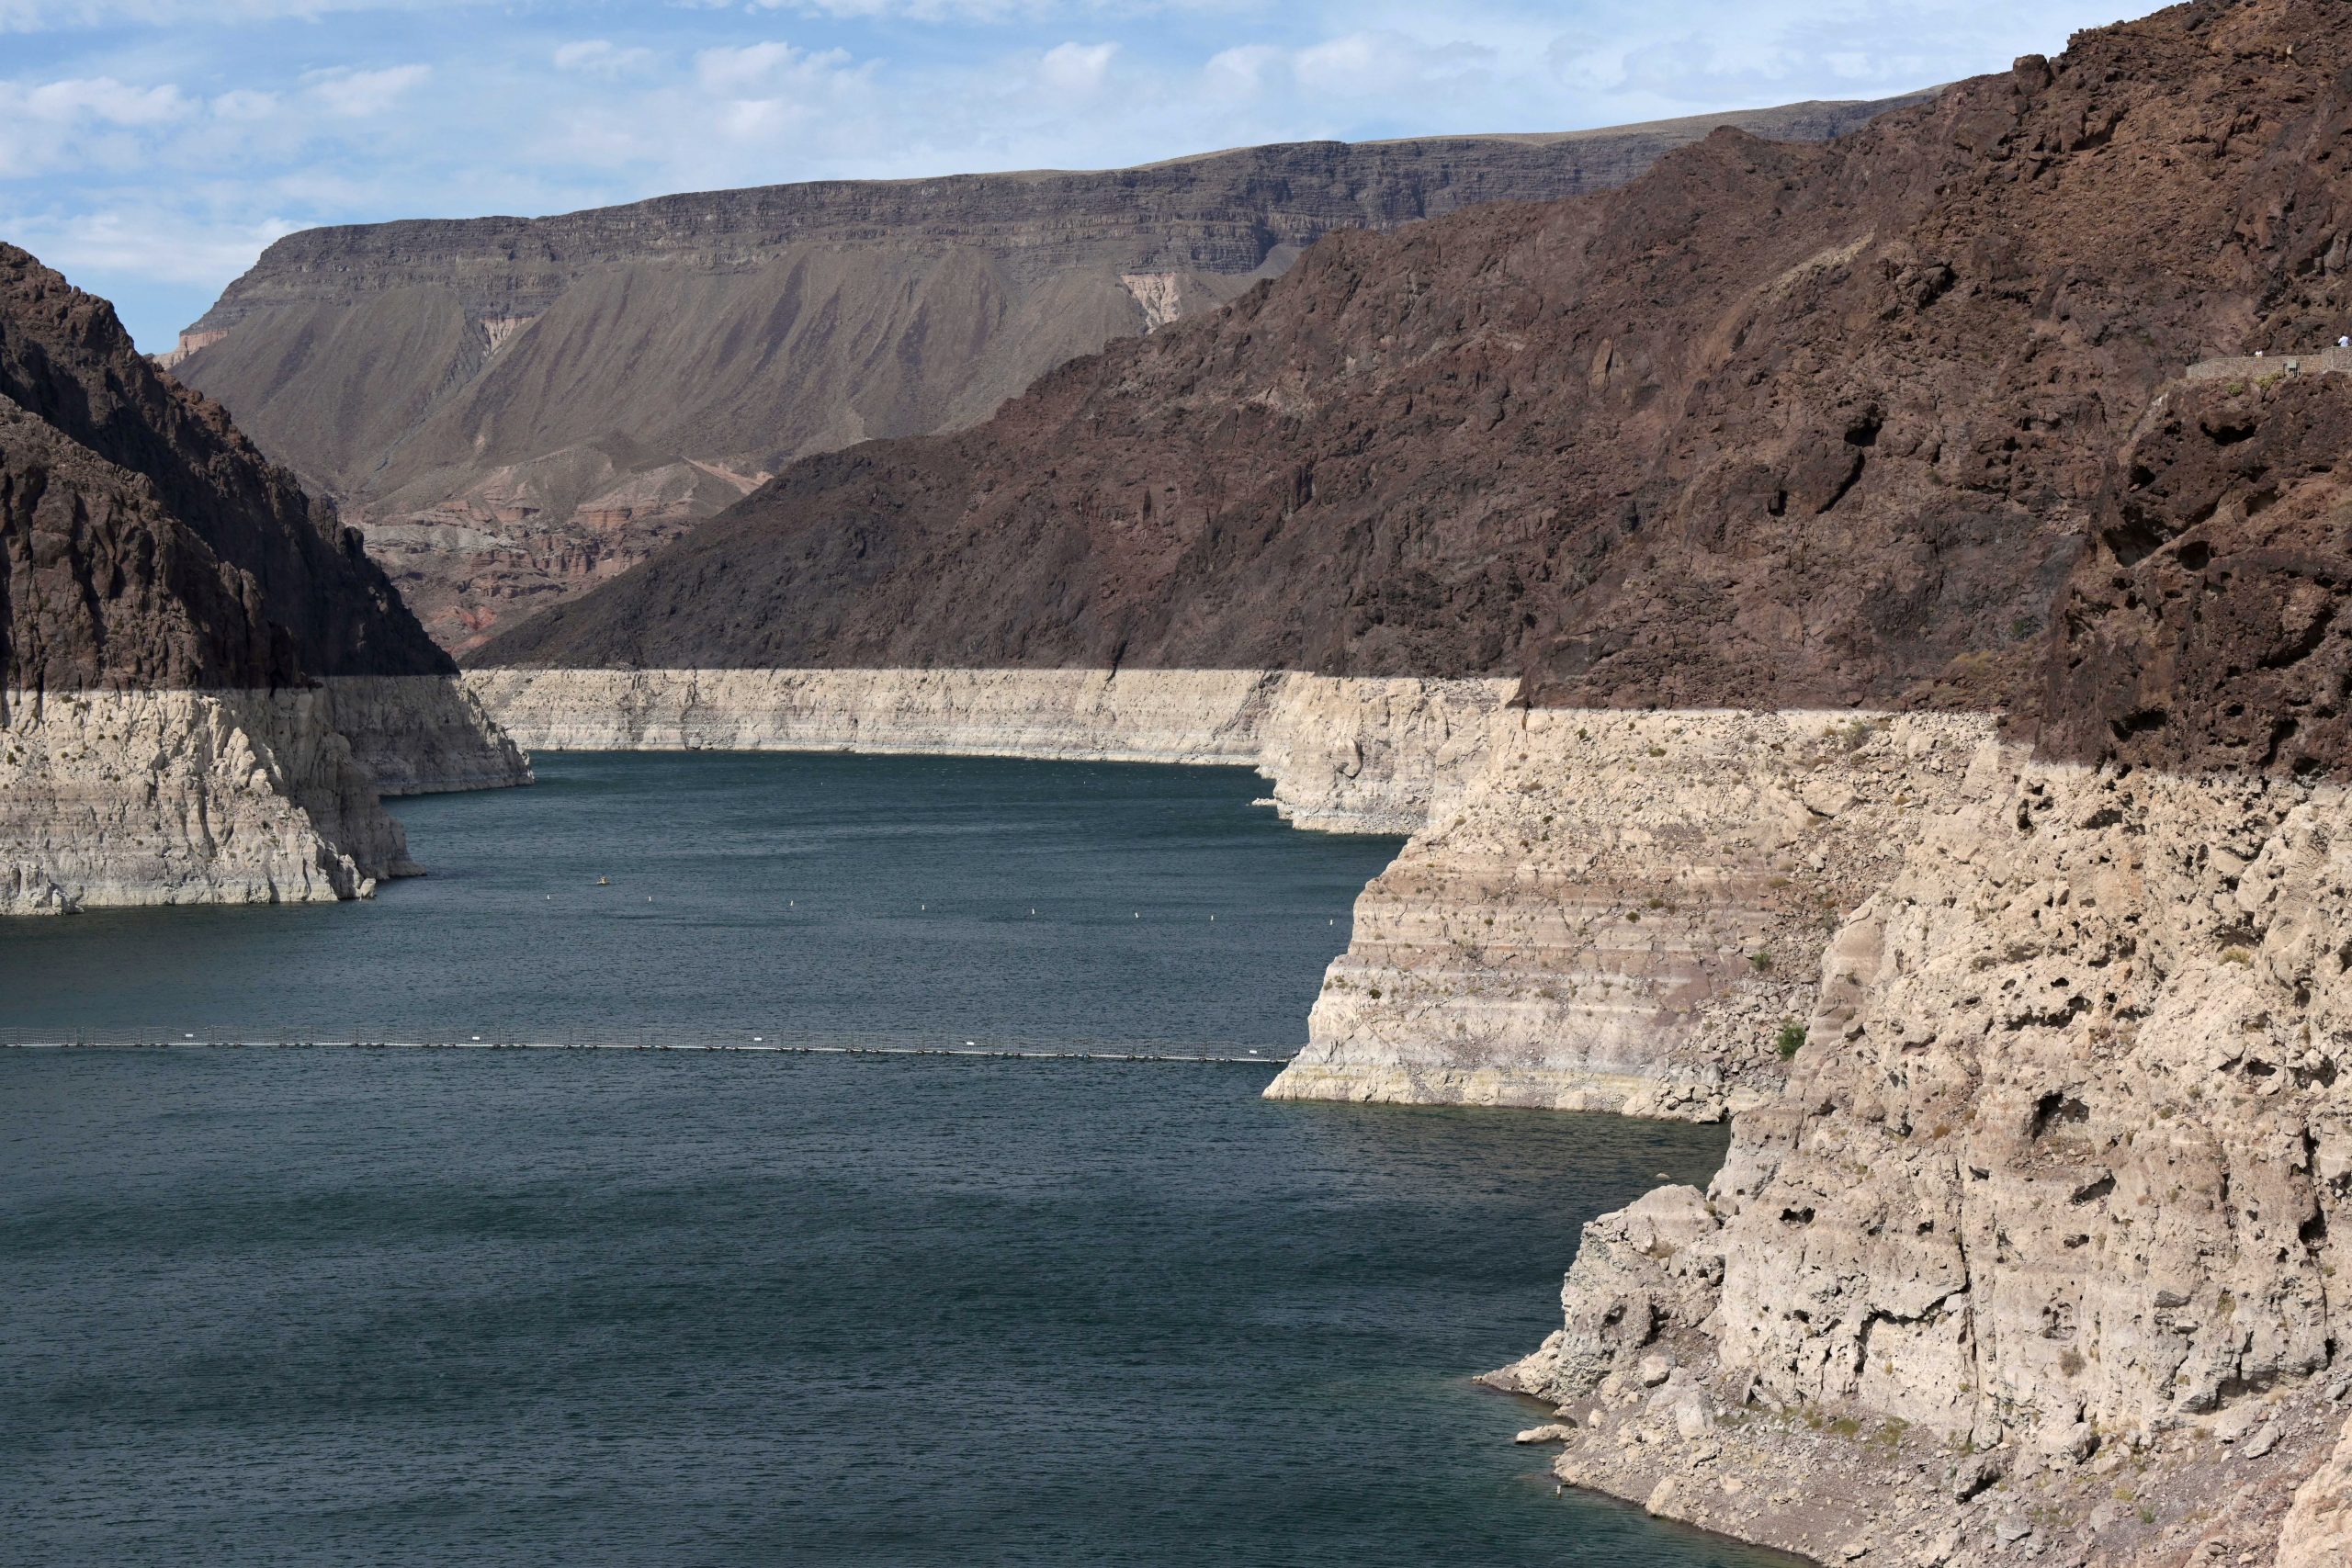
(148, 544)
(515, 410)
(1773, 424)
(2204, 629)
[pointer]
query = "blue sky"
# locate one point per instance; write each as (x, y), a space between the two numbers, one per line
(151, 148)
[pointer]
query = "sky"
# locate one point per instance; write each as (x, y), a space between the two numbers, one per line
(150, 149)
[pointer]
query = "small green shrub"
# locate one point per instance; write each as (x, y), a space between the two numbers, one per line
(1760, 961)
(1790, 1039)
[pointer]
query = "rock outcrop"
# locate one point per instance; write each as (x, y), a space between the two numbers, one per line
(199, 672)
(1623, 913)
(2050, 1214)
(516, 410)
(2034, 1252)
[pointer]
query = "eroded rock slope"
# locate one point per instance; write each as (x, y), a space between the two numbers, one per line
(514, 410)
(2028, 1248)
(203, 680)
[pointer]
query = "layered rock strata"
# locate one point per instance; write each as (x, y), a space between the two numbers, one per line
(463, 388)
(1351, 756)
(1623, 913)
(114, 798)
(202, 677)
(2042, 1243)
(423, 734)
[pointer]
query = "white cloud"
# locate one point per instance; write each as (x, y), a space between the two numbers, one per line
(245, 104)
(100, 98)
(1239, 73)
(1075, 68)
(139, 243)
(760, 65)
(913, 10)
(359, 95)
(62, 15)
(601, 57)
(1386, 63)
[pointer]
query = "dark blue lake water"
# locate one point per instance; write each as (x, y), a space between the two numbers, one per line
(301, 1306)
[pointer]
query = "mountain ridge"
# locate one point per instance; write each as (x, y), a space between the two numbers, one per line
(514, 409)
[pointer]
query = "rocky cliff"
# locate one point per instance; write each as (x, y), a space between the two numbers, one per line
(513, 410)
(2028, 1244)
(1775, 425)
(203, 679)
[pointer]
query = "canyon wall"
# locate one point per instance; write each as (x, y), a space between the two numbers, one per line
(204, 682)
(113, 799)
(2040, 1249)
(1623, 913)
(1344, 756)
(514, 410)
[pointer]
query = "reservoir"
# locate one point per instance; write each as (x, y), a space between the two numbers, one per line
(332, 1306)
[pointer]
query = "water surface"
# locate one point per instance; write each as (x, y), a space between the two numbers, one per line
(827, 897)
(327, 1307)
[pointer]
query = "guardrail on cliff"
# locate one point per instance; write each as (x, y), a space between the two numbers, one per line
(2251, 368)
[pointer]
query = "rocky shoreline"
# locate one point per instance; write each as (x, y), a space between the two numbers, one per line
(1593, 910)
(2035, 1256)
(110, 799)
(1363, 756)
(2025, 1248)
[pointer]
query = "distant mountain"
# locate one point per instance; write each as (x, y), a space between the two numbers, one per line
(513, 410)
(1774, 425)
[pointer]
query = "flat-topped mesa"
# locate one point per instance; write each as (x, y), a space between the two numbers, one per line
(203, 680)
(457, 386)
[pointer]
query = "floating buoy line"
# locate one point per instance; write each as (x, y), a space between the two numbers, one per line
(757, 1044)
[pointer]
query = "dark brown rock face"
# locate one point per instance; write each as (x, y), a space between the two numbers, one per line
(143, 543)
(2205, 629)
(1774, 424)
(514, 410)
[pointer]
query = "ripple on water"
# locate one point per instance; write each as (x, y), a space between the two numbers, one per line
(355, 1307)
